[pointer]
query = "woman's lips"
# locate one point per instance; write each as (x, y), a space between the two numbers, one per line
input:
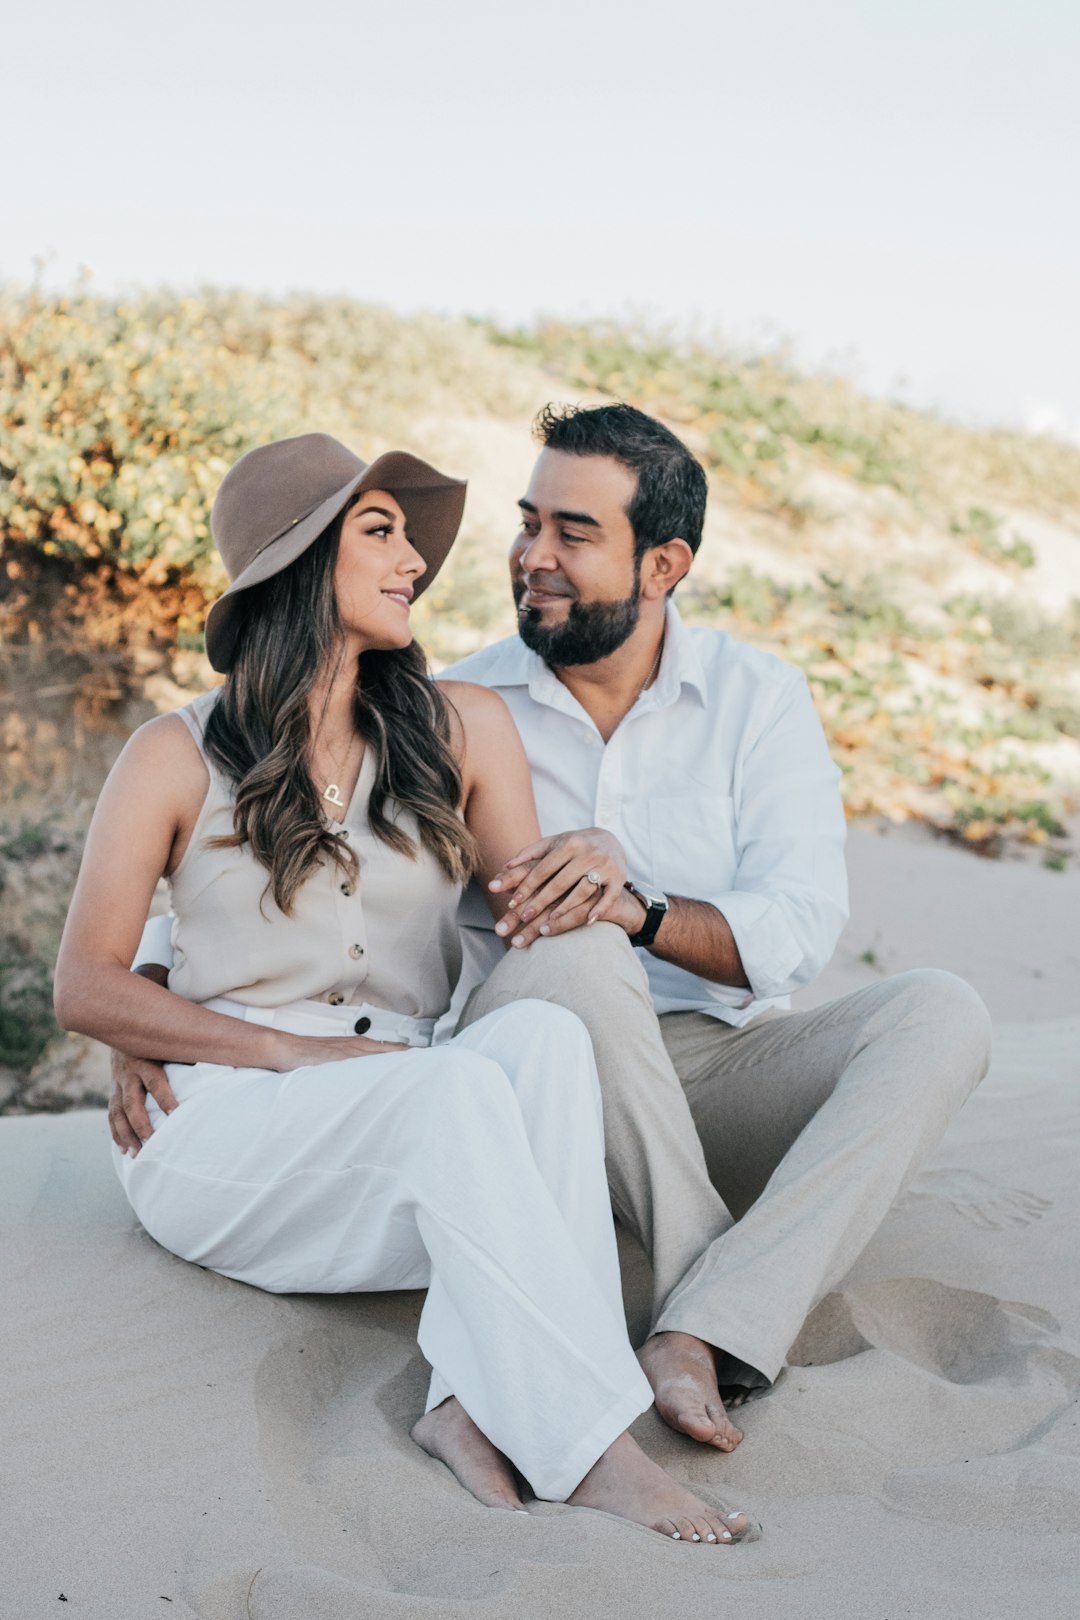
(400, 597)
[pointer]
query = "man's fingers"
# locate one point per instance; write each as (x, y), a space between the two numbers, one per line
(122, 1133)
(156, 1081)
(584, 893)
(602, 906)
(132, 1103)
(567, 922)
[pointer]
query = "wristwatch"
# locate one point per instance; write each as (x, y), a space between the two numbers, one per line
(656, 908)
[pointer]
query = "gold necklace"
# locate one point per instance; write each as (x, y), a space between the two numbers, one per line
(332, 790)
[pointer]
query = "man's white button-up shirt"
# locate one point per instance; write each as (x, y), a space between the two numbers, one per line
(719, 786)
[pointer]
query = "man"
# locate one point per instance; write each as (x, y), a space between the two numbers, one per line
(753, 1152)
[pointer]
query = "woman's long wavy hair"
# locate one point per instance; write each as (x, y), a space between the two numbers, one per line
(259, 734)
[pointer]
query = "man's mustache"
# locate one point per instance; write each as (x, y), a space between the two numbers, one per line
(543, 582)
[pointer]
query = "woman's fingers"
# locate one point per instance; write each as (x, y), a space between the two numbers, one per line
(511, 872)
(570, 887)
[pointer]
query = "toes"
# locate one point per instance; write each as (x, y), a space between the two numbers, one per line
(727, 1436)
(687, 1528)
(694, 1421)
(716, 1529)
(740, 1526)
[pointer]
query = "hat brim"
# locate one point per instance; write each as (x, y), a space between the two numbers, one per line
(432, 502)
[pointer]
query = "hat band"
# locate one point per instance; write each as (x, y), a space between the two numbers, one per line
(287, 529)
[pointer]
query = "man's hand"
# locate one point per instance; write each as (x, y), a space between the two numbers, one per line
(133, 1078)
(552, 893)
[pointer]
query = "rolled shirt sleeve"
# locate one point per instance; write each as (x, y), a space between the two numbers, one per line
(789, 902)
(155, 946)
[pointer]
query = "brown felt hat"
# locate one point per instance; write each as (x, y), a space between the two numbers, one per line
(278, 499)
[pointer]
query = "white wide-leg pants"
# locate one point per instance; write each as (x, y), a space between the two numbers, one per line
(474, 1169)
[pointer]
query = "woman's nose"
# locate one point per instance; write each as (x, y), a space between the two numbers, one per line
(414, 563)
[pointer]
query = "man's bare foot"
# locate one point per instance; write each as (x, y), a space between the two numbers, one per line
(626, 1482)
(682, 1372)
(449, 1433)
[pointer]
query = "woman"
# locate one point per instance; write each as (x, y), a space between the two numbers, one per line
(316, 819)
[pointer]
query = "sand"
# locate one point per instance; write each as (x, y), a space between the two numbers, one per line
(177, 1444)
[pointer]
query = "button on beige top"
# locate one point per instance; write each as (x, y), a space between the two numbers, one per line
(391, 940)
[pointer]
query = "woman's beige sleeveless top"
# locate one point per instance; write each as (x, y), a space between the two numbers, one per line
(390, 940)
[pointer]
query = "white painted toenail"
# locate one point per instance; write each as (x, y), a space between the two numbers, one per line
(710, 1538)
(695, 1536)
(726, 1536)
(730, 1516)
(675, 1536)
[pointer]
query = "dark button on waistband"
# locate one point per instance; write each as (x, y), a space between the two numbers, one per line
(362, 1026)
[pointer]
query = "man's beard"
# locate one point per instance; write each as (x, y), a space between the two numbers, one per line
(589, 632)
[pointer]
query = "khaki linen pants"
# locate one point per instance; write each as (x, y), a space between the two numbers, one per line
(755, 1164)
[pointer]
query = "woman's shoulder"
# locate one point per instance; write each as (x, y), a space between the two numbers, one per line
(478, 705)
(165, 747)
(482, 728)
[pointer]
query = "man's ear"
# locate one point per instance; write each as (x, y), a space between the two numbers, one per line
(662, 567)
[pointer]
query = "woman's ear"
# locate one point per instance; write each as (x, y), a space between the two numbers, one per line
(662, 567)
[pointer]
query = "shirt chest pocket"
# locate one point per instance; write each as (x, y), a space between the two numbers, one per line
(692, 841)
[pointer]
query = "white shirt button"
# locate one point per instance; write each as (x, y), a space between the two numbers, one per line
(335, 998)
(356, 951)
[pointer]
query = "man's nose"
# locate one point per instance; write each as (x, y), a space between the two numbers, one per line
(538, 556)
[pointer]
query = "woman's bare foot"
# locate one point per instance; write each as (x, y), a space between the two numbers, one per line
(626, 1482)
(449, 1433)
(682, 1372)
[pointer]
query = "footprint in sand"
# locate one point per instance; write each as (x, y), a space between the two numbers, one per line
(957, 1334)
(986, 1203)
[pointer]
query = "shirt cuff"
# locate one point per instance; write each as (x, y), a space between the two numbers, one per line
(155, 946)
(768, 949)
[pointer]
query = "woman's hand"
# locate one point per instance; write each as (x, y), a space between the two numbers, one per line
(300, 1051)
(550, 889)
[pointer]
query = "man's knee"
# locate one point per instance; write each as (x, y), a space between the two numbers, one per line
(572, 969)
(956, 1014)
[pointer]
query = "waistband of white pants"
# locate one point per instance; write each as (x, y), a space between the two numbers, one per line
(320, 1018)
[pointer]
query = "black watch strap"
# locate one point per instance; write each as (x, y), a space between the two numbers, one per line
(656, 909)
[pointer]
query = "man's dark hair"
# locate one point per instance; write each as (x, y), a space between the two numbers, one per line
(669, 502)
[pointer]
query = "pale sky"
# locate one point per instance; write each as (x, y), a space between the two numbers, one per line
(892, 186)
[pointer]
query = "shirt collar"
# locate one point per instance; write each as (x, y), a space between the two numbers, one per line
(680, 666)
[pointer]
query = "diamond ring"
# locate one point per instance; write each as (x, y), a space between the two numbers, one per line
(595, 879)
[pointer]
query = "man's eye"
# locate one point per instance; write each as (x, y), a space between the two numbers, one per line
(572, 539)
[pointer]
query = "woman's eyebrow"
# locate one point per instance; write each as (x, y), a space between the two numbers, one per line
(364, 510)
